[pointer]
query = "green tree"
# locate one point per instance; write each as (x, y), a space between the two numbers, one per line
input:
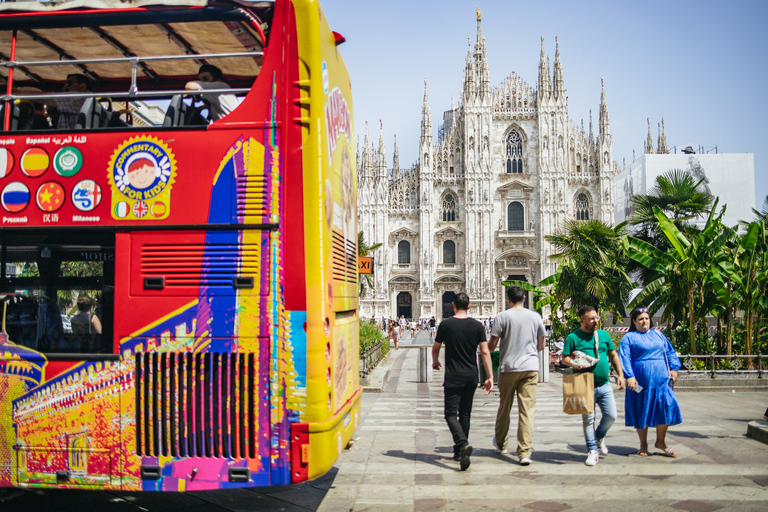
(364, 249)
(680, 270)
(595, 262)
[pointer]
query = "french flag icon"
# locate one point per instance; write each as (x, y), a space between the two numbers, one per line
(6, 162)
(15, 197)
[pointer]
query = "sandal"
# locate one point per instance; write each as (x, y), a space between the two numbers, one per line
(643, 451)
(668, 452)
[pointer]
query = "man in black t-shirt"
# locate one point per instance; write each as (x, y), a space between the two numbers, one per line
(462, 336)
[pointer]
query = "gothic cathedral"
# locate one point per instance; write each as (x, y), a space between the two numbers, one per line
(508, 168)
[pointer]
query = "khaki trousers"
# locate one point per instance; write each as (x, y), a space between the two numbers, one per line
(524, 384)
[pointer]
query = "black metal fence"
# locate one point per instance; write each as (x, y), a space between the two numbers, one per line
(370, 358)
(738, 364)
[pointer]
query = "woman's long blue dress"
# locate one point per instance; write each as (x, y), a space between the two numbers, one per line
(642, 357)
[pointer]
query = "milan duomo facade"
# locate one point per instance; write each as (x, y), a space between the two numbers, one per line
(508, 168)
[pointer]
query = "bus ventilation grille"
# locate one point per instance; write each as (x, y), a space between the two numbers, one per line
(214, 265)
(344, 258)
(196, 405)
(252, 196)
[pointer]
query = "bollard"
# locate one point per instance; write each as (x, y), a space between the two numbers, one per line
(423, 365)
(544, 365)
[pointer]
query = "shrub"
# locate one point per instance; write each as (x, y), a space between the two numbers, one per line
(370, 335)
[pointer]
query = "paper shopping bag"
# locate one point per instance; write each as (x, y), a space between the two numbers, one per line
(578, 393)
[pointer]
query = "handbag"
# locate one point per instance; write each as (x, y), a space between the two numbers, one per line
(578, 393)
(579, 388)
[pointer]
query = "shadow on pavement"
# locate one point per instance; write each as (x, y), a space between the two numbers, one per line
(429, 458)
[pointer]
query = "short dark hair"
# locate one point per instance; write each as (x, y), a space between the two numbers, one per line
(515, 294)
(461, 301)
(215, 72)
(84, 303)
(586, 309)
(81, 79)
(636, 313)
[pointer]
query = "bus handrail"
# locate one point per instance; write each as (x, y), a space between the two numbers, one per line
(117, 94)
(137, 59)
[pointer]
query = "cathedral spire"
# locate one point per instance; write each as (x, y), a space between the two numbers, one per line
(381, 155)
(481, 63)
(426, 124)
(558, 77)
(591, 137)
(366, 163)
(545, 87)
(469, 75)
(605, 125)
(396, 160)
(648, 149)
(663, 149)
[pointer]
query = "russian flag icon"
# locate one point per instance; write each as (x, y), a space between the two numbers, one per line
(15, 197)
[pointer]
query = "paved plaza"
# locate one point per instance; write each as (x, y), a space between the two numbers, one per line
(401, 460)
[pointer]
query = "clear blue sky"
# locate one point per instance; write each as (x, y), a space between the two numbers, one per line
(701, 65)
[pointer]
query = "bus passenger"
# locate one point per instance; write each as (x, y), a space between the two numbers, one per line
(211, 77)
(86, 327)
(67, 109)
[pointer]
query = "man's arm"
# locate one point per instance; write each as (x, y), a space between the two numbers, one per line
(542, 342)
(436, 355)
(485, 354)
(492, 344)
(613, 356)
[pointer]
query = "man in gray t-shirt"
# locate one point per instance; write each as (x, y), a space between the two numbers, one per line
(520, 335)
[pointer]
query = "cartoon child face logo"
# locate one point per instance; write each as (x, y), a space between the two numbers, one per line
(142, 173)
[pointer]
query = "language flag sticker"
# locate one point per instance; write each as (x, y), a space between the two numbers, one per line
(34, 162)
(67, 161)
(6, 162)
(158, 209)
(15, 197)
(121, 209)
(86, 195)
(140, 209)
(50, 196)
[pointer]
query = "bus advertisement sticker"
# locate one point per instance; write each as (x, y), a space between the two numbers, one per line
(15, 197)
(50, 196)
(34, 162)
(67, 161)
(6, 162)
(86, 195)
(141, 172)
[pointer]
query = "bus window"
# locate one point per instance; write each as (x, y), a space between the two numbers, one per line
(57, 295)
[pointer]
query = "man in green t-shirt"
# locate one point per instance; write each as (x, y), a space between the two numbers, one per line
(584, 340)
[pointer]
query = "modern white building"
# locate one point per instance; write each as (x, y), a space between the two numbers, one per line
(508, 167)
(729, 176)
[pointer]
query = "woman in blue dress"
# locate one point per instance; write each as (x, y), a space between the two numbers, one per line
(649, 363)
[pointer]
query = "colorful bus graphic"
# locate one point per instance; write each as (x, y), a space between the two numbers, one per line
(179, 296)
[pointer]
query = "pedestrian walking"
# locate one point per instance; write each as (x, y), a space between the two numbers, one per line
(519, 333)
(432, 328)
(396, 334)
(595, 343)
(650, 365)
(461, 336)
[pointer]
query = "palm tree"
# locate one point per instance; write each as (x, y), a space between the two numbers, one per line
(364, 250)
(595, 260)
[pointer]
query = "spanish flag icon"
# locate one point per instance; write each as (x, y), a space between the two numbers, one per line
(34, 162)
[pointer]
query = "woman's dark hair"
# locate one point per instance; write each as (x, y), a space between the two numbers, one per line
(84, 303)
(636, 313)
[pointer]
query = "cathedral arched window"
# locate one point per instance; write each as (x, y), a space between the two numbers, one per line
(407, 200)
(404, 253)
(515, 217)
(449, 252)
(451, 168)
(514, 155)
(449, 208)
(582, 207)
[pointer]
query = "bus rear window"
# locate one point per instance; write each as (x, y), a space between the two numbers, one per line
(57, 294)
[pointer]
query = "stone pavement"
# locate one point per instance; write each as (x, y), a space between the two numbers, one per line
(401, 460)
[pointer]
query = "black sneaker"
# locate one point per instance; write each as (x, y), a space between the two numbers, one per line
(464, 454)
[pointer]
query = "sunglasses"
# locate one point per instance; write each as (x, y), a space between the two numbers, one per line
(641, 310)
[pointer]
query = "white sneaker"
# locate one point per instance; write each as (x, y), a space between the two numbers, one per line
(525, 461)
(602, 447)
(592, 458)
(497, 446)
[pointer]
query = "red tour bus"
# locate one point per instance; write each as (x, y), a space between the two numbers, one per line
(179, 291)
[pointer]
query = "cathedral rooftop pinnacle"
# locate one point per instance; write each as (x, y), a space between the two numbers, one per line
(648, 149)
(558, 76)
(663, 149)
(605, 125)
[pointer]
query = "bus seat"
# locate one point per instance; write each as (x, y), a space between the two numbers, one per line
(94, 115)
(19, 119)
(180, 113)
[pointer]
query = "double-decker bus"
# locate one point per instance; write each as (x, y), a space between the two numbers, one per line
(178, 292)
